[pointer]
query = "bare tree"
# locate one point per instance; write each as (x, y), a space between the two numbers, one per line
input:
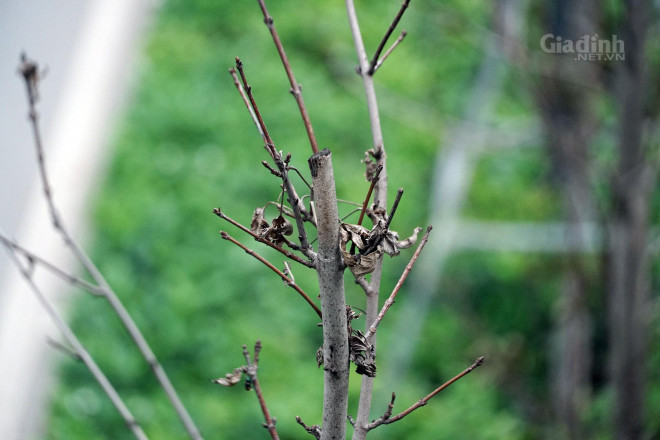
(340, 246)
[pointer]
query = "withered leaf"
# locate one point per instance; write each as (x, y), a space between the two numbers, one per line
(230, 378)
(371, 165)
(362, 354)
(319, 357)
(391, 244)
(258, 225)
(282, 226)
(359, 265)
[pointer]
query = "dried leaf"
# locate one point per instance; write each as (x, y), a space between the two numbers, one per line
(371, 165)
(362, 354)
(230, 378)
(319, 357)
(359, 265)
(258, 225)
(282, 226)
(391, 244)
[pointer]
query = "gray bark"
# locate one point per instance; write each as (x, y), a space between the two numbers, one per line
(568, 116)
(330, 270)
(628, 262)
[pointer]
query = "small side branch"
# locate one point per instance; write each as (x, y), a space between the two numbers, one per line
(299, 211)
(383, 42)
(315, 430)
(404, 275)
(77, 349)
(251, 382)
(286, 279)
(386, 419)
(35, 259)
(296, 90)
(390, 50)
(241, 91)
(251, 372)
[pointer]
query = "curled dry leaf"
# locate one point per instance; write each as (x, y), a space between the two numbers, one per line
(358, 264)
(230, 378)
(362, 354)
(282, 226)
(274, 232)
(391, 243)
(371, 244)
(370, 165)
(258, 224)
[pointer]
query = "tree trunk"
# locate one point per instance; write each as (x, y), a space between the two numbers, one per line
(566, 108)
(333, 304)
(628, 262)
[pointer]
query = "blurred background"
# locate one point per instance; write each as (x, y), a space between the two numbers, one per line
(536, 166)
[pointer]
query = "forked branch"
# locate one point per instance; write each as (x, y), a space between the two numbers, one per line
(251, 383)
(383, 42)
(78, 349)
(30, 72)
(300, 213)
(386, 418)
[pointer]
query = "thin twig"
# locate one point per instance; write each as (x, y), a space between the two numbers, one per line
(379, 238)
(63, 349)
(294, 257)
(374, 60)
(238, 85)
(30, 72)
(285, 278)
(295, 87)
(69, 278)
(385, 419)
(390, 50)
(251, 372)
(315, 430)
(404, 275)
(78, 348)
(374, 179)
(248, 89)
(296, 205)
(397, 199)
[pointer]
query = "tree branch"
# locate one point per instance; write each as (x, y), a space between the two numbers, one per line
(251, 372)
(374, 60)
(78, 349)
(315, 430)
(285, 278)
(388, 303)
(386, 419)
(374, 179)
(30, 73)
(390, 50)
(33, 258)
(241, 91)
(296, 91)
(296, 204)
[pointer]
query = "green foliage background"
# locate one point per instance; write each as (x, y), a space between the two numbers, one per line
(187, 145)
